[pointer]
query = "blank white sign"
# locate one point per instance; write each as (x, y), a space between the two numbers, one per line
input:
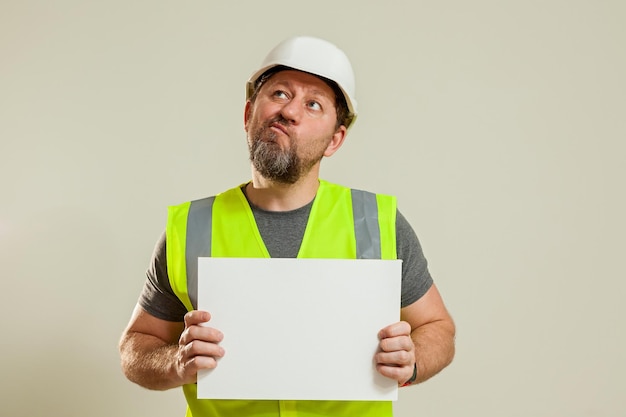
(298, 329)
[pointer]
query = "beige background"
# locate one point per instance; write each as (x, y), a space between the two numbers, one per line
(499, 125)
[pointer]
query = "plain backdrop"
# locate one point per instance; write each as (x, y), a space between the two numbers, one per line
(500, 126)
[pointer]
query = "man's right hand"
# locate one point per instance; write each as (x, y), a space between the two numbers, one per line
(160, 354)
(198, 346)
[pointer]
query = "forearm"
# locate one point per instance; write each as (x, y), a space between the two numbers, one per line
(149, 361)
(434, 348)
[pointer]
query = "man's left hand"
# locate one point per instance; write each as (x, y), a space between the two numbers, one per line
(395, 358)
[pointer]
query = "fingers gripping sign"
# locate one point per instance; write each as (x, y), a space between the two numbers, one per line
(198, 346)
(395, 358)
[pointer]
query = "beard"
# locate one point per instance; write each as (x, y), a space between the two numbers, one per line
(273, 162)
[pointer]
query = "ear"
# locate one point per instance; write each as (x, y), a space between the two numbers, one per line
(246, 115)
(336, 141)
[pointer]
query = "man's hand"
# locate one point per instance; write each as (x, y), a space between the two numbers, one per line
(395, 358)
(198, 346)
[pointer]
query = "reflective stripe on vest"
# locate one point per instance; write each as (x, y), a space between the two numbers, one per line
(198, 245)
(343, 223)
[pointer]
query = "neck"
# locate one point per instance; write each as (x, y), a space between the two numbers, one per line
(274, 196)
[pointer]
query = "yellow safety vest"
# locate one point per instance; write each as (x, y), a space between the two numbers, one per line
(343, 224)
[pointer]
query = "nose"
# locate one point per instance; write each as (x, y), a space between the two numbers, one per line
(292, 111)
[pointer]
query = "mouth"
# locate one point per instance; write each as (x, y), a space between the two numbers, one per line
(276, 126)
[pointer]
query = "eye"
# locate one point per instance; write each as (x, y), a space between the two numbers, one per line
(280, 94)
(314, 105)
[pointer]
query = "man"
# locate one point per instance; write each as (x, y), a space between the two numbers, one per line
(300, 104)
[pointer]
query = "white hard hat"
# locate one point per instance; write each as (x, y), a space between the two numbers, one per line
(315, 56)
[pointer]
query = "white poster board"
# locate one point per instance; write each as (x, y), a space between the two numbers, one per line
(298, 329)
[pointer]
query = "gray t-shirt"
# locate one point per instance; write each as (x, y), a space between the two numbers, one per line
(282, 234)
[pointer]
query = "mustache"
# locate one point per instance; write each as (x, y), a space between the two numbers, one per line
(279, 119)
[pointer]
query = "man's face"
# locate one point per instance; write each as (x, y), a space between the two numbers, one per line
(290, 125)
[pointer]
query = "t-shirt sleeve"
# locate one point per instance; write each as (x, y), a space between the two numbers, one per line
(157, 296)
(416, 279)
